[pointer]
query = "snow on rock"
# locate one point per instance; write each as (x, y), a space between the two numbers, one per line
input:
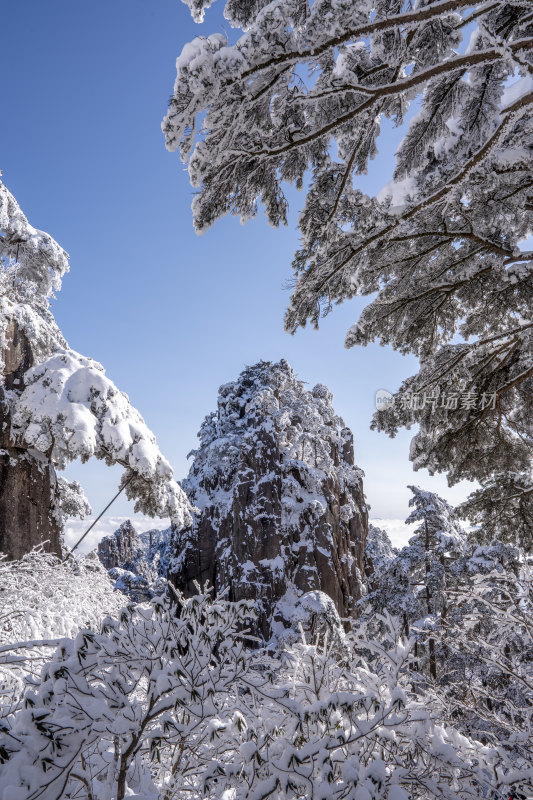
(137, 562)
(281, 504)
(122, 549)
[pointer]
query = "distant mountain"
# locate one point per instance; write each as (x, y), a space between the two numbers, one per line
(137, 562)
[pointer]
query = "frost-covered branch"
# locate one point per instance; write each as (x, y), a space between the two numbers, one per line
(58, 403)
(298, 99)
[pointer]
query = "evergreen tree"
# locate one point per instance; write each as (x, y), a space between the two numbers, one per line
(300, 95)
(414, 584)
(502, 508)
(436, 544)
(57, 405)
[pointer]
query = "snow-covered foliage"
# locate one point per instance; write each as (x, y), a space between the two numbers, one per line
(487, 680)
(43, 597)
(31, 260)
(467, 605)
(299, 96)
(379, 553)
(72, 500)
(502, 508)
(63, 405)
(164, 705)
(32, 265)
(439, 526)
(311, 616)
(344, 727)
(69, 409)
(42, 600)
(134, 710)
(413, 584)
(388, 583)
(439, 539)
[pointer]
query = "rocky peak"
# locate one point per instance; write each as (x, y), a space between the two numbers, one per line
(137, 562)
(122, 548)
(281, 502)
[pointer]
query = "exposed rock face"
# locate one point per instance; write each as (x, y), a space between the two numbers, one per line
(281, 503)
(137, 563)
(122, 549)
(29, 499)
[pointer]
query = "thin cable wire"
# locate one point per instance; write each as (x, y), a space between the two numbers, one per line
(100, 515)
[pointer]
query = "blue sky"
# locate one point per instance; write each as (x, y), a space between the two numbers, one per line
(170, 315)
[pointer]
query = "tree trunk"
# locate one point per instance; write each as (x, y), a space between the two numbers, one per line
(28, 493)
(432, 659)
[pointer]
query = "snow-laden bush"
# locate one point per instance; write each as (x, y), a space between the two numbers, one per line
(487, 685)
(134, 710)
(42, 597)
(43, 600)
(167, 702)
(334, 724)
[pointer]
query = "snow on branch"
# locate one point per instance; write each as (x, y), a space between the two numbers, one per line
(300, 98)
(40, 260)
(69, 409)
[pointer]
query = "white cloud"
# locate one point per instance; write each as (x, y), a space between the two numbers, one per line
(397, 530)
(75, 528)
(399, 533)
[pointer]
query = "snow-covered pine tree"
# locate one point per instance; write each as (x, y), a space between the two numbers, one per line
(487, 680)
(388, 583)
(413, 584)
(502, 509)
(300, 95)
(437, 542)
(57, 405)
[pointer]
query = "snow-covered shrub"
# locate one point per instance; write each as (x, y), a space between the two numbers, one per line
(488, 682)
(341, 726)
(42, 600)
(168, 703)
(308, 617)
(136, 709)
(42, 597)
